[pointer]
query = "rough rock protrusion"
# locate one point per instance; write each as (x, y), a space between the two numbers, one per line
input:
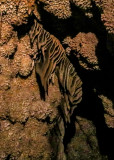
(59, 8)
(84, 47)
(109, 110)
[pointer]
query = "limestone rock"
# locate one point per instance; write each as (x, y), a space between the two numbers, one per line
(26, 66)
(84, 47)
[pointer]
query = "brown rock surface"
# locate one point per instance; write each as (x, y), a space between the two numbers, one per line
(34, 129)
(59, 8)
(84, 47)
(84, 144)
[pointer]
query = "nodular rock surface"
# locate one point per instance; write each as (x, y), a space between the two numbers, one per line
(33, 129)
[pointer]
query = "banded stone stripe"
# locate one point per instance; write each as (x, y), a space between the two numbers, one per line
(51, 54)
(71, 85)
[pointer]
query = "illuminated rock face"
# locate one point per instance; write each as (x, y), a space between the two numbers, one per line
(34, 128)
(84, 46)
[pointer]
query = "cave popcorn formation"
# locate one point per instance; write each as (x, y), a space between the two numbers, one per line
(26, 119)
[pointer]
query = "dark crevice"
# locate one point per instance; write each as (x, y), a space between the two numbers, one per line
(9, 119)
(24, 29)
(41, 88)
(8, 157)
(24, 123)
(70, 131)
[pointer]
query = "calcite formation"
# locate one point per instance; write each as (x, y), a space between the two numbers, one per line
(84, 47)
(60, 8)
(108, 15)
(86, 6)
(109, 110)
(32, 128)
(81, 143)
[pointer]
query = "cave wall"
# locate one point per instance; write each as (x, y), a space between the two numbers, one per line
(31, 128)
